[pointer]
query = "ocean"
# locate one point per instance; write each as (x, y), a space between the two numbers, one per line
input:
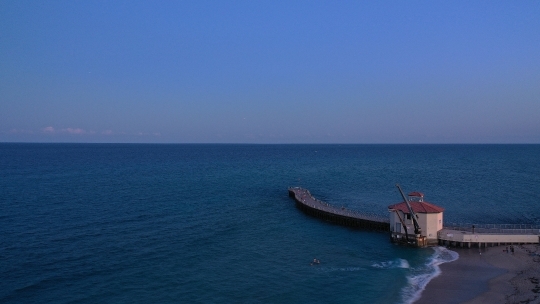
(213, 223)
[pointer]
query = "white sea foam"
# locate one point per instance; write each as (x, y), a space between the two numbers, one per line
(420, 277)
(403, 263)
(397, 263)
(347, 269)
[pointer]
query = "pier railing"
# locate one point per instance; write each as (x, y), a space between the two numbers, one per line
(494, 228)
(309, 200)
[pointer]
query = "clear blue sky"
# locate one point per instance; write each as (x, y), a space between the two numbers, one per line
(270, 71)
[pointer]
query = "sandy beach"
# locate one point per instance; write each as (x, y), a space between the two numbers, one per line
(488, 275)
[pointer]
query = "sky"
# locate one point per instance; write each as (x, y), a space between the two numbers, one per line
(363, 72)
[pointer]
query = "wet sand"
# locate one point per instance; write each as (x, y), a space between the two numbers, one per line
(489, 275)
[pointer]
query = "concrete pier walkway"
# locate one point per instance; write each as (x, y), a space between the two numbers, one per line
(451, 235)
(342, 216)
(460, 238)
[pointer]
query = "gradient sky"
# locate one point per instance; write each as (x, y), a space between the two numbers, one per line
(270, 71)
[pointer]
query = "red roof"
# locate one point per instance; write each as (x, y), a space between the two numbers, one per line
(418, 194)
(417, 207)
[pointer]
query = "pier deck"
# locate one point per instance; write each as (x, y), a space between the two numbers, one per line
(451, 235)
(461, 238)
(312, 206)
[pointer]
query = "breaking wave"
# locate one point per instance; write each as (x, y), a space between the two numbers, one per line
(397, 263)
(419, 278)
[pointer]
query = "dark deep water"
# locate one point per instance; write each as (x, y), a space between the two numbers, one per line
(134, 223)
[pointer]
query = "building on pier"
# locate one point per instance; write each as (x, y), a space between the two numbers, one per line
(417, 223)
(429, 218)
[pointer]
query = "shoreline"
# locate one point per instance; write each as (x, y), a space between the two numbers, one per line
(487, 275)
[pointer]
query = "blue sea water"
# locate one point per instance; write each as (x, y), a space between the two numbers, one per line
(134, 223)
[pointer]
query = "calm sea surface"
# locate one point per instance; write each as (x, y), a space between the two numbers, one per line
(125, 223)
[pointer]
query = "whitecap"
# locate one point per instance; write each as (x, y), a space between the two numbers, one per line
(397, 263)
(421, 276)
(403, 263)
(346, 269)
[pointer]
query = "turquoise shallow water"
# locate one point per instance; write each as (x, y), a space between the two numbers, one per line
(214, 223)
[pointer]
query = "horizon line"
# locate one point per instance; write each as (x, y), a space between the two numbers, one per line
(247, 143)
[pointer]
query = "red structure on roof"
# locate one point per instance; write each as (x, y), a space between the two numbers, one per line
(416, 200)
(417, 207)
(417, 194)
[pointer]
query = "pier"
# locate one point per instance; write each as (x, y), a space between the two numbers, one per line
(488, 235)
(342, 216)
(454, 235)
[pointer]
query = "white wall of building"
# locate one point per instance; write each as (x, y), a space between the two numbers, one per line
(430, 223)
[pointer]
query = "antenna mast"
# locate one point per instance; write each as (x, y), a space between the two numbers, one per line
(417, 229)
